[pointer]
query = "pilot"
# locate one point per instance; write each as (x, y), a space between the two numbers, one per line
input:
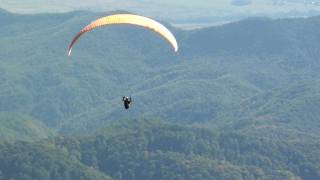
(126, 101)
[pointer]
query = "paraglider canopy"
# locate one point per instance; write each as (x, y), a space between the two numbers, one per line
(128, 19)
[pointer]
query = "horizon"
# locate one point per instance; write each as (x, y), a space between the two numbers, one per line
(187, 15)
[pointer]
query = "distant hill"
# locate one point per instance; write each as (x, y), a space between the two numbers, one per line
(290, 39)
(177, 11)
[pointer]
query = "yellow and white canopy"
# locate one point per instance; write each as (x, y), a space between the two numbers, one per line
(128, 19)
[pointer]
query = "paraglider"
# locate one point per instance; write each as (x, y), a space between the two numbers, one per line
(126, 101)
(130, 19)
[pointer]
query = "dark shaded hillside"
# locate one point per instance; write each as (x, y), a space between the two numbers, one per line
(151, 149)
(140, 149)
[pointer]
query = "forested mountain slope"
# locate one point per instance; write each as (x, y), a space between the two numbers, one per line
(151, 149)
(216, 69)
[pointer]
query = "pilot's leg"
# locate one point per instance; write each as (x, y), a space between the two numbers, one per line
(126, 105)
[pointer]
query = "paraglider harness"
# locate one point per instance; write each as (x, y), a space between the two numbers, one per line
(126, 101)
